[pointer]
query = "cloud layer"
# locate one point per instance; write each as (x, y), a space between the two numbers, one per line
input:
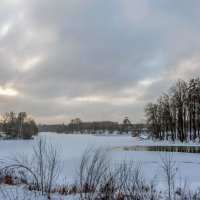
(98, 60)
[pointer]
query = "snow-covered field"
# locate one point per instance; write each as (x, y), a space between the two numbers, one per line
(72, 146)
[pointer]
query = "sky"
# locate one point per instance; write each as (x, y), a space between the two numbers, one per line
(94, 59)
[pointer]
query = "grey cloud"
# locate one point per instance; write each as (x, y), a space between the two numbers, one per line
(95, 48)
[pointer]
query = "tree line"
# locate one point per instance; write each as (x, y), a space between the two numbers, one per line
(18, 125)
(77, 125)
(176, 114)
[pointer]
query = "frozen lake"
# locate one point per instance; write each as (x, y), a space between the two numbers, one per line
(72, 146)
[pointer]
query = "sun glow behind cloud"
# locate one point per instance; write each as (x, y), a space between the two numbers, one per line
(31, 63)
(90, 99)
(8, 91)
(148, 82)
(4, 30)
(26, 64)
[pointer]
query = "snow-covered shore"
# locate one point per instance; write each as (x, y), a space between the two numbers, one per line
(72, 147)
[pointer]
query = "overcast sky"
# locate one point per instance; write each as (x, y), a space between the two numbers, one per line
(94, 59)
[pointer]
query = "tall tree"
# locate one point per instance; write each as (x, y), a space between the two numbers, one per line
(19, 125)
(176, 113)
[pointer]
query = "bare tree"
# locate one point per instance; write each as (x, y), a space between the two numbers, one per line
(177, 112)
(48, 164)
(169, 170)
(18, 126)
(94, 166)
(42, 170)
(98, 180)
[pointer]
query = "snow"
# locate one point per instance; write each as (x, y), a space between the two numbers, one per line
(20, 193)
(72, 147)
(144, 136)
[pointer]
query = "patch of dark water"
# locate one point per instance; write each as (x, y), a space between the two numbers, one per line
(181, 149)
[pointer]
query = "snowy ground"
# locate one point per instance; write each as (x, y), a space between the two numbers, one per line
(72, 146)
(20, 193)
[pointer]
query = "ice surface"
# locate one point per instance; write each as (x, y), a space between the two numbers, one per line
(72, 147)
